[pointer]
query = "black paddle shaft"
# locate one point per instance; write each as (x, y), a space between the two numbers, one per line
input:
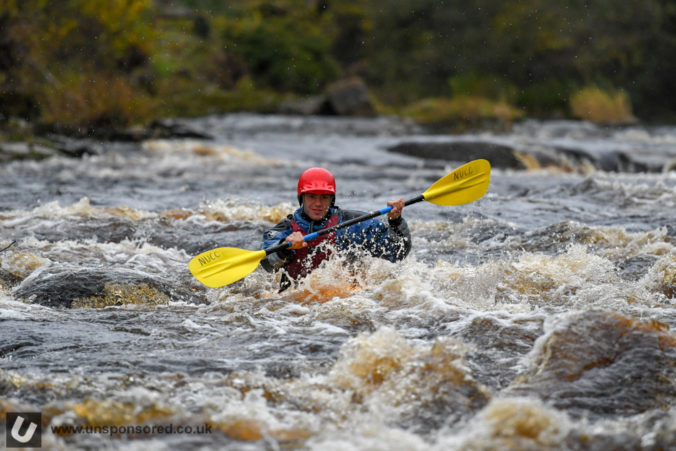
(342, 225)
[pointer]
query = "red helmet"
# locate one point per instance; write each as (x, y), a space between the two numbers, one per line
(316, 181)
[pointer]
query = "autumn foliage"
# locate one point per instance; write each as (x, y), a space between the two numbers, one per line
(86, 64)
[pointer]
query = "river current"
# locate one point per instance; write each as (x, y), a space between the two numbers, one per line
(541, 316)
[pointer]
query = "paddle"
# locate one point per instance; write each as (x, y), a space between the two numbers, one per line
(225, 265)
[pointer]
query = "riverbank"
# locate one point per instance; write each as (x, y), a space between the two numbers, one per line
(140, 61)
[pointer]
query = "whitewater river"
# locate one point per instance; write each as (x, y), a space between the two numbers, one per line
(542, 316)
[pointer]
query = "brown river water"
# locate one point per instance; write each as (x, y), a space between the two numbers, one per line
(540, 317)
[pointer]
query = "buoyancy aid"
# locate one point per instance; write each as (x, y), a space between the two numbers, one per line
(309, 258)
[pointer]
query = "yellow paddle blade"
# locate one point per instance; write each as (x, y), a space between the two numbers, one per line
(224, 265)
(464, 185)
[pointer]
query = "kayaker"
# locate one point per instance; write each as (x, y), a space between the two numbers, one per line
(389, 239)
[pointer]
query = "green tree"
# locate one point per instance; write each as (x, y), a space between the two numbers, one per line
(71, 47)
(283, 45)
(551, 48)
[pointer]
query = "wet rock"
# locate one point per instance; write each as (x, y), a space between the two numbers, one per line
(70, 142)
(10, 151)
(610, 161)
(507, 157)
(499, 155)
(76, 148)
(50, 147)
(60, 289)
(174, 128)
(603, 364)
(96, 288)
(349, 97)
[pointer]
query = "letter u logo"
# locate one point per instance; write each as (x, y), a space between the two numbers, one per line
(26, 436)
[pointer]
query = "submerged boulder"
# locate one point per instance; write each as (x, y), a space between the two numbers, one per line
(500, 156)
(96, 288)
(602, 363)
(505, 156)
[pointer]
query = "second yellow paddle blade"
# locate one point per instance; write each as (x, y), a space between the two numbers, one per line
(224, 265)
(464, 185)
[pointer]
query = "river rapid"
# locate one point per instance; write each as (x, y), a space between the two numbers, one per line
(541, 316)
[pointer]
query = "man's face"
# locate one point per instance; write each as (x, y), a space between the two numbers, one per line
(316, 205)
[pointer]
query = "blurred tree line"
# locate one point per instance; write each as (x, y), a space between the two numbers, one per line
(86, 64)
